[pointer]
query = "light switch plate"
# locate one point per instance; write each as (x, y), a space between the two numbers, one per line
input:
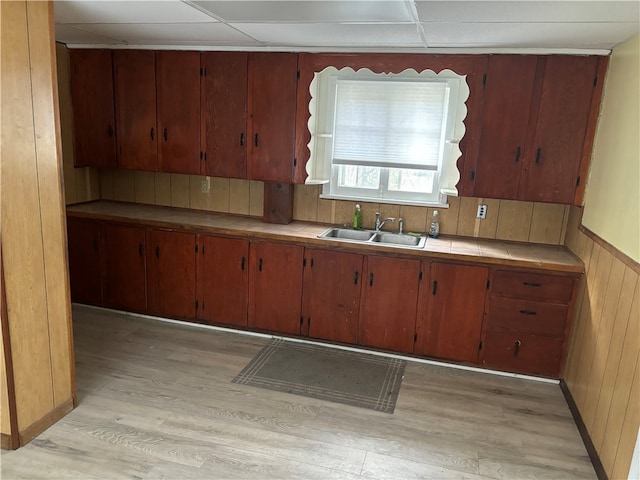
(205, 186)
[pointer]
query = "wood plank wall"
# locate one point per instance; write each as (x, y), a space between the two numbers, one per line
(34, 226)
(603, 370)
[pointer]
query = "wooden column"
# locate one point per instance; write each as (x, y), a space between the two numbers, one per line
(38, 310)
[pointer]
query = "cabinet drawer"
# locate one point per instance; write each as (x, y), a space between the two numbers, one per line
(532, 286)
(522, 353)
(526, 316)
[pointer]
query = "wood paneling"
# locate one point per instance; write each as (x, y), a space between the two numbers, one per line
(34, 231)
(602, 366)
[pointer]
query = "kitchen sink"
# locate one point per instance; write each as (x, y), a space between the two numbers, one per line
(373, 237)
(399, 239)
(347, 234)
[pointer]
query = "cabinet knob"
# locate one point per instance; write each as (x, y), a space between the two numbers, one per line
(140, 250)
(537, 156)
(242, 264)
(516, 347)
(151, 133)
(518, 153)
(242, 139)
(355, 277)
(165, 135)
(260, 264)
(157, 251)
(255, 140)
(371, 279)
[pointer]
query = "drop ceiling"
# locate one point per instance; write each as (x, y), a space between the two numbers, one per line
(593, 27)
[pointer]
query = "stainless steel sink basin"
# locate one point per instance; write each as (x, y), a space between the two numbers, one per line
(347, 234)
(371, 236)
(400, 239)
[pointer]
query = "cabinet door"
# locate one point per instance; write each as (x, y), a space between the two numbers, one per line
(223, 280)
(125, 267)
(389, 303)
(508, 94)
(563, 114)
(224, 113)
(272, 106)
(331, 295)
(93, 112)
(275, 287)
(85, 273)
(178, 86)
(171, 273)
(135, 91)
(452, 322)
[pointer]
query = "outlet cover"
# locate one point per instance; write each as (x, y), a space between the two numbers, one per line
(482, 211)
(205, 186)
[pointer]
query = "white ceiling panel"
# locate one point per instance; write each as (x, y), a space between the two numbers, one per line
(118, 11)
(336, 35)
(72, 35)
(527, 35)
(394, 11)
(528, 11)
(171, 34)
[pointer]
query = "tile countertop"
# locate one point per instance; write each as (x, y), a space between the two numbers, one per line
(465, 249)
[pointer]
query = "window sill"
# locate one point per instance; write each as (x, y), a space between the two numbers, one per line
(384, 201)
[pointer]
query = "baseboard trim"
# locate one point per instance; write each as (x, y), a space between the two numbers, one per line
(45, 422)
(7, 442)
(582, 428)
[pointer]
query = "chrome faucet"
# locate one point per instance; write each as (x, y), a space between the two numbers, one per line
(380, 223)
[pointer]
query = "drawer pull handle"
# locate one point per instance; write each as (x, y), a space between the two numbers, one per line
(355, 277)
(527, 312)
(371, 279)
(242, 264)
(531, 284)
(516, 348)
(260, 265)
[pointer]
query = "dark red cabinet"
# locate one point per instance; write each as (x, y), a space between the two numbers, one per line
(222, 280)
(171, 273)
(451, 311)
(275, 287)
(331, 295)
(224, 113)
(272, 113)
(125, 267)
(389, 303)
(178, 111)
(94, 126)
(85, 261)
(134, 73)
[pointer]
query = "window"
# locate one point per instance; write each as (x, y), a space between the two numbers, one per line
(386, 137)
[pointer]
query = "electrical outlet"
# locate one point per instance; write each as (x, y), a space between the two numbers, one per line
(482, 211)
(205, 186)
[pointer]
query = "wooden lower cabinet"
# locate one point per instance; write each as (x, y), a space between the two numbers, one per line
(85, 277)
(331, 295)
(389, 303)
(171, 273)
(451, 309)
(275, 287)
(222, 280)
(125, 267)
(527, 324)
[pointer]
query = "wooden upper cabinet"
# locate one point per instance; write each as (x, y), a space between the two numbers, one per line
(222, 280)
(224, 113)
(171, 273)
(389, 303)
(135, 94)
(272, 113)
(451, 312)
(275, 287)
(93, 112)
(331, 295)
(178, 111)
(563, 114)
(125, 267)
(508, 94)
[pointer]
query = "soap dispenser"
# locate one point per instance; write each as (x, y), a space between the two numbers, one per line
(434, 229)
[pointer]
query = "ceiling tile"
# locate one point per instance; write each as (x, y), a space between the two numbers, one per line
(171, 34)
(527, 35)
(334, 35)
(310, 11)
(116, 11)
(528, 11)
(71, 35)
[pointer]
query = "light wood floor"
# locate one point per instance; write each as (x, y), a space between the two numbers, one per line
(156, 401)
